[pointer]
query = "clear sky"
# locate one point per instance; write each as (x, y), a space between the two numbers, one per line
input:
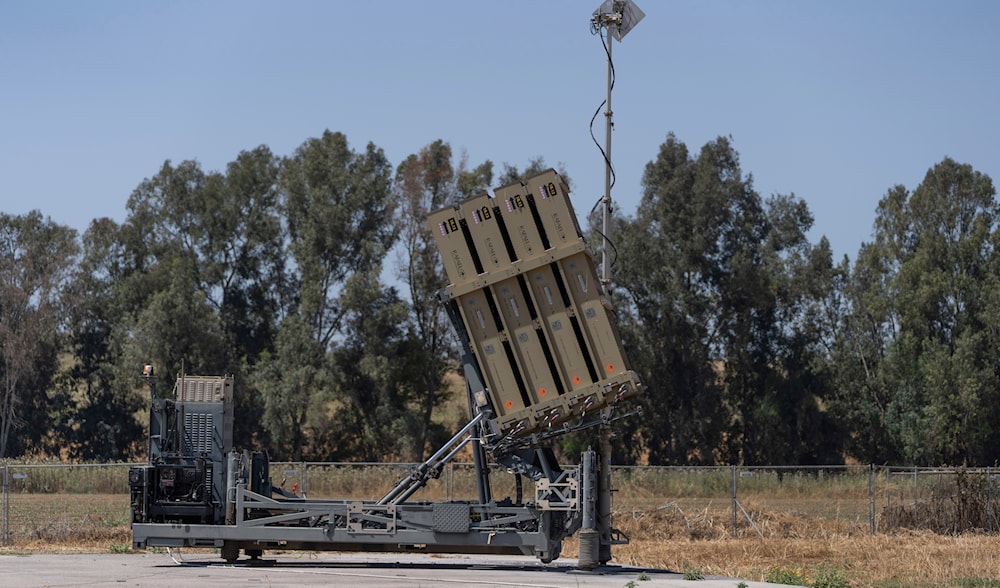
(833, 101)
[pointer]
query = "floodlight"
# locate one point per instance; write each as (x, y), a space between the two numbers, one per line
(622, 13)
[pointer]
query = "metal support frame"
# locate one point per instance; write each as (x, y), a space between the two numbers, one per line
(431, 469)
(263, 522)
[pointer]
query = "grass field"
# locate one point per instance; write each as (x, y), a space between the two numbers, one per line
(696, 538)
(814, 525)
(813, 547)
(69, 521)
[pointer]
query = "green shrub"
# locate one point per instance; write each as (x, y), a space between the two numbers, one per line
(693, 573)
(831, 578)
(789, 576)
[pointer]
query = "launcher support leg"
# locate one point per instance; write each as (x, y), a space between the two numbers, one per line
(604, 493)
(590, 536)
(482, 468)
(230, 552)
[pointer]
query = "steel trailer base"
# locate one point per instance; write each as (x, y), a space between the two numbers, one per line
(335, 525)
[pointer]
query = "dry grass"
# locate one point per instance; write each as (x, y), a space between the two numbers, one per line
(69, 522)
(670, 538)
(666, 537)
(911, 559)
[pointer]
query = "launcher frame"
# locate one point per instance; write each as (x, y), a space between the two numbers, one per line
(541, 359)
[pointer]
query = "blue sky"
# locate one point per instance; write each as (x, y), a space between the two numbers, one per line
(832, 101)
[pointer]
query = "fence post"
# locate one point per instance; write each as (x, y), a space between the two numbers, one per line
(989, 502)
(888, 495)
(5, 530)
(871, 497)
(450, 479)
(735, 501)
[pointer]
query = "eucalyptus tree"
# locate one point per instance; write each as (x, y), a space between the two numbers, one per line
(192, 280)
(379, 373)
(37, 261)
(917, 360)
(338, 213)
(104, 424)
(425, 182)
(510, 174)
(337, 210)
(721, 284)
(473, 181)
(218, 235)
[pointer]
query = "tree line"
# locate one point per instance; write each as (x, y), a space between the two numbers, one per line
(312, 278)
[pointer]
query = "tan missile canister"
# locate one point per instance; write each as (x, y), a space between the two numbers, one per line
(535, 313)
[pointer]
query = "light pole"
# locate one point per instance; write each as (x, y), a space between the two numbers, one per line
(617, 17)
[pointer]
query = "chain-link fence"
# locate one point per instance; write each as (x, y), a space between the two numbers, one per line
(89, 502)
(942, 500)
(59, 502)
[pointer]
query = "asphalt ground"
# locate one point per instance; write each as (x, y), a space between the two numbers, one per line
(329, 569)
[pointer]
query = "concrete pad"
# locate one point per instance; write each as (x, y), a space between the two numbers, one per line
(199, 568)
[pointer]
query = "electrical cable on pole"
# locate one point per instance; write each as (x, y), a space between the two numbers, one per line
(617, 17)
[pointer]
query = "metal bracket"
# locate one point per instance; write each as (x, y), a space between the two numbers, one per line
(561, 495)
(365, 518)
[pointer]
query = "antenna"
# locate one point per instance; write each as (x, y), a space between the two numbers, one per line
(618, 17)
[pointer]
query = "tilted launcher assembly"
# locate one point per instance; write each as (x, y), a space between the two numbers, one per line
(541, 357)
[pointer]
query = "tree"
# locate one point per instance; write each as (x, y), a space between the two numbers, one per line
(37, 260)
(338, 212)
(103, 414)
(246, 254)
(337, 209)
(475, 181)
(918, 374)
(294, 383)
(664, 262)
(227, 228)
(379, 371)
(426, 182)
(721, 285)
(178, 326)
(536, 165)
(205, 272)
